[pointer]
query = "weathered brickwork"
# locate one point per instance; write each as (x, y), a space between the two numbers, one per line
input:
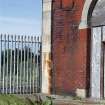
(70, 48)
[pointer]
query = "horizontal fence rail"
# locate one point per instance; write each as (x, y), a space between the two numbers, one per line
(20, 64)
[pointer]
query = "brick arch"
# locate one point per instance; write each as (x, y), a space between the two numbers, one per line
(94, 41)
(87, 13)
(82, 47)
(85, 29)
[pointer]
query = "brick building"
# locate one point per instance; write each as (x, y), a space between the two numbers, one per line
(73, 47)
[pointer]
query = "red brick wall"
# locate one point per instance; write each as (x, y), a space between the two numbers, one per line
(70, 47)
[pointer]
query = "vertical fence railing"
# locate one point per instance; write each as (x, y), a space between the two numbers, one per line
(20, 64)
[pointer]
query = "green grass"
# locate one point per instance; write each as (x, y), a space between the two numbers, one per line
(14, 100)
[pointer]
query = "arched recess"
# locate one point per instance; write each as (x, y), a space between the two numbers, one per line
(87, 13)
(98, 46)
(88, 20)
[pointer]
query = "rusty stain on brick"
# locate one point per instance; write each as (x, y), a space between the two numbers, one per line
(47, 65)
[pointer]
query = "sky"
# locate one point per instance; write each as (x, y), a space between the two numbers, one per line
(21, 17)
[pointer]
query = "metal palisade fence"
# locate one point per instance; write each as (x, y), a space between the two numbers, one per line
(20, 64)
